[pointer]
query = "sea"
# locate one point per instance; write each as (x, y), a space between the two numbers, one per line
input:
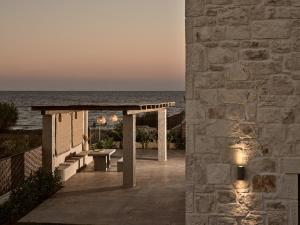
(30, 120)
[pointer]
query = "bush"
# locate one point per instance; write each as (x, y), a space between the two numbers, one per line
(107, 143)
(175, 136)
(8, 115)
(144, 136)
(28, 195)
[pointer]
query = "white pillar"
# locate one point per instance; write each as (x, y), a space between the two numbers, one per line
(129, 150)
(48, 143)
(86, 130)
(162, 135)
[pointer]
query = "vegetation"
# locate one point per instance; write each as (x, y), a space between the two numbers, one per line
(107, 142)
(17, 141)
(144, 136)
(8, 115)
(117, 133)
(28, 195)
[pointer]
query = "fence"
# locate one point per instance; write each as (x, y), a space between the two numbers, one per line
(14, 169)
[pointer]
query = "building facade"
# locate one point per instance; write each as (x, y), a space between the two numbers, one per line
(242, 109)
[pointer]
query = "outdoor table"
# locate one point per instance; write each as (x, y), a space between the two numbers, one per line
(101, 158)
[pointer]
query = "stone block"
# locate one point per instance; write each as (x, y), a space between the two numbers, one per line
(290, 165)
(241, 32)
(235, 112)
(220, 220)
(269, 115)
(276, 218)
(262, 69)
(264, 183)
(196, 58)
(271, 29)
(288, 188)
(226, 197)
(281, 85)
(221, 128)
(233, 16)
(237, 72)
(253, 219)
(216, 112)
(255, 44)
(295, 2)
(207, 97)
(195, 112)
(219, 2)
(293, 62)
(246, 2)
(252, 201)
(277, 2)
(262, 165)
(293, 132)
(190, 147)
(254, 54)
(209, 33)
(189, 198)
(194, 7)
(276, 205)
(196, 219)
(281, 46)
(221, 55)
(232, 209)
(240, 84)
(210, 80)
(273, 132)
(205, 144)
(235, 96)
(204, 203)
(250, 111)
(218, 173)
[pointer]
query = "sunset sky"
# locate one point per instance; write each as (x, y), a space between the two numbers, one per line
(92, 45)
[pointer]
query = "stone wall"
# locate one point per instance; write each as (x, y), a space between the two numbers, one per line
(243, 108)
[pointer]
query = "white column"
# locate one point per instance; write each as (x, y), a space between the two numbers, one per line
(162, 135)
(129, 150)
(86, 130)
(48, 143)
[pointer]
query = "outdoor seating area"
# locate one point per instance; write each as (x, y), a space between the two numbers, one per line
(98, 197)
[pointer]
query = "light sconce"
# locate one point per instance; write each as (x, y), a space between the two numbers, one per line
(113, 118)
(241, 172)
(101, 120)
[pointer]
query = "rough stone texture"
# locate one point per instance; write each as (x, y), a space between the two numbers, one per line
(243, 101)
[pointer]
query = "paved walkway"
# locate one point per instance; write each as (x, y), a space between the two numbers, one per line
(98, 198)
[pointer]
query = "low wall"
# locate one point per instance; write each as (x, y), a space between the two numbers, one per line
(16, 168)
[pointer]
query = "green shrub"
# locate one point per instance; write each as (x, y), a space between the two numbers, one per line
(171, 136)
(144, 136)
(28, 195)
(175, 136)
(107, 143)
(8, 115)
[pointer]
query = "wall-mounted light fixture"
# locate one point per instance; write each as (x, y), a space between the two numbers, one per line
(241, 173)
(113, 118)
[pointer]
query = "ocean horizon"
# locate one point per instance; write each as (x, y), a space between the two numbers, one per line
(29, 119)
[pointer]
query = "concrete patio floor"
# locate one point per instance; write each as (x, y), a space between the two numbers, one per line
(92, 197)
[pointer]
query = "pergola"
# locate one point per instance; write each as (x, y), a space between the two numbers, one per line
(129, 131)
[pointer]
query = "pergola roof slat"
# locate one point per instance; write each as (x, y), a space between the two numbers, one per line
(109, 107)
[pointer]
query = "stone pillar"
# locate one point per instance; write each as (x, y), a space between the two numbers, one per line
(48, 143)
(86, 130)
(129, 154)
(162, 135)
